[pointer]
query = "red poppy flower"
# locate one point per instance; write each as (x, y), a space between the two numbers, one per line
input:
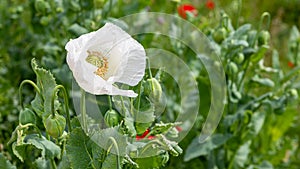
(144, 135)
(183, 9)
(291, 64)
(210, 4)
(179, 129)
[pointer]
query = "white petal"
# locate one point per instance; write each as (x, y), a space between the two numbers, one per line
(126, 60)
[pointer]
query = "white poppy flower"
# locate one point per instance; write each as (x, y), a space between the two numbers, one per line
(101, 58)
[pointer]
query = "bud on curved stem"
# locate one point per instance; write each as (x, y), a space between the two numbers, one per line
(21, 87)
(55, 90)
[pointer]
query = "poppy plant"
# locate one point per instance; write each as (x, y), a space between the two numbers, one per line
(183, 9)
(104, 57)
(210, 4)
(291, 64)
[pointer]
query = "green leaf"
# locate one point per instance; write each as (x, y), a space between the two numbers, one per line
(107, 136)
(144, 119)
(152, 162)
(5, 164)
(196, 148)
(160, 128)
(64, 163)
(241, 155)
(46, 83)
(79, 149)
(48, 148)
(241, 31)
(110, 162)
(259, 54)
(42, 163)
(263, 81)
(77, 30)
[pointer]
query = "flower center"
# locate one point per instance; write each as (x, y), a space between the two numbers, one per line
(97, 59)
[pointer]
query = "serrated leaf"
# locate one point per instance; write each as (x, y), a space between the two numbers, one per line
(42, 163)
(196, 148)
(79, 150)
(107, 136)
(160, 128)
(21, 151)
(46, 83)
(5, 164)
(48, 148)
(110, 162)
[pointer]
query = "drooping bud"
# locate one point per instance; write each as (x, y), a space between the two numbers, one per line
(27, 116)
(55, 125)
(263, 38)
(112, 118)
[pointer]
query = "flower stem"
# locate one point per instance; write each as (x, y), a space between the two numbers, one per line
(21, 87)
(66, 103)
(239, 13)
(53, 164)
(149, 68)
(83, 110)
(263, 16)
(109, 101)
(117, 149)
(139, 97)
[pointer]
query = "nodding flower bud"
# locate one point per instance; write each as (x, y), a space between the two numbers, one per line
(153, 89)
(112, 118)
(232, 68)
(55, 125)
(220, 34)
(263, 38)
(27, 116)
(41, 6)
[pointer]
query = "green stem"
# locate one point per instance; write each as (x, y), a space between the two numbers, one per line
(83, 110)
(56, 89)
(31, 125)
(263, 16)
(239, 13)
(149, 68)
(117, 149)
(21, 87)
(139, 97)
(109, 101)
(244, 75)
(53, 164)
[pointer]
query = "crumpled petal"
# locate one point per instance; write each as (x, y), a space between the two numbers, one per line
(126, 60)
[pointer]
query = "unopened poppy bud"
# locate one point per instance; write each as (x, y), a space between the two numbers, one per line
(55, 125)
(112, 118)
(27, 116)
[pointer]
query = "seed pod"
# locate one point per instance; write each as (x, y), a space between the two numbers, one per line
(55, 125)
(263, 38)
(27, 116)
(112, 118)
(220, 34)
